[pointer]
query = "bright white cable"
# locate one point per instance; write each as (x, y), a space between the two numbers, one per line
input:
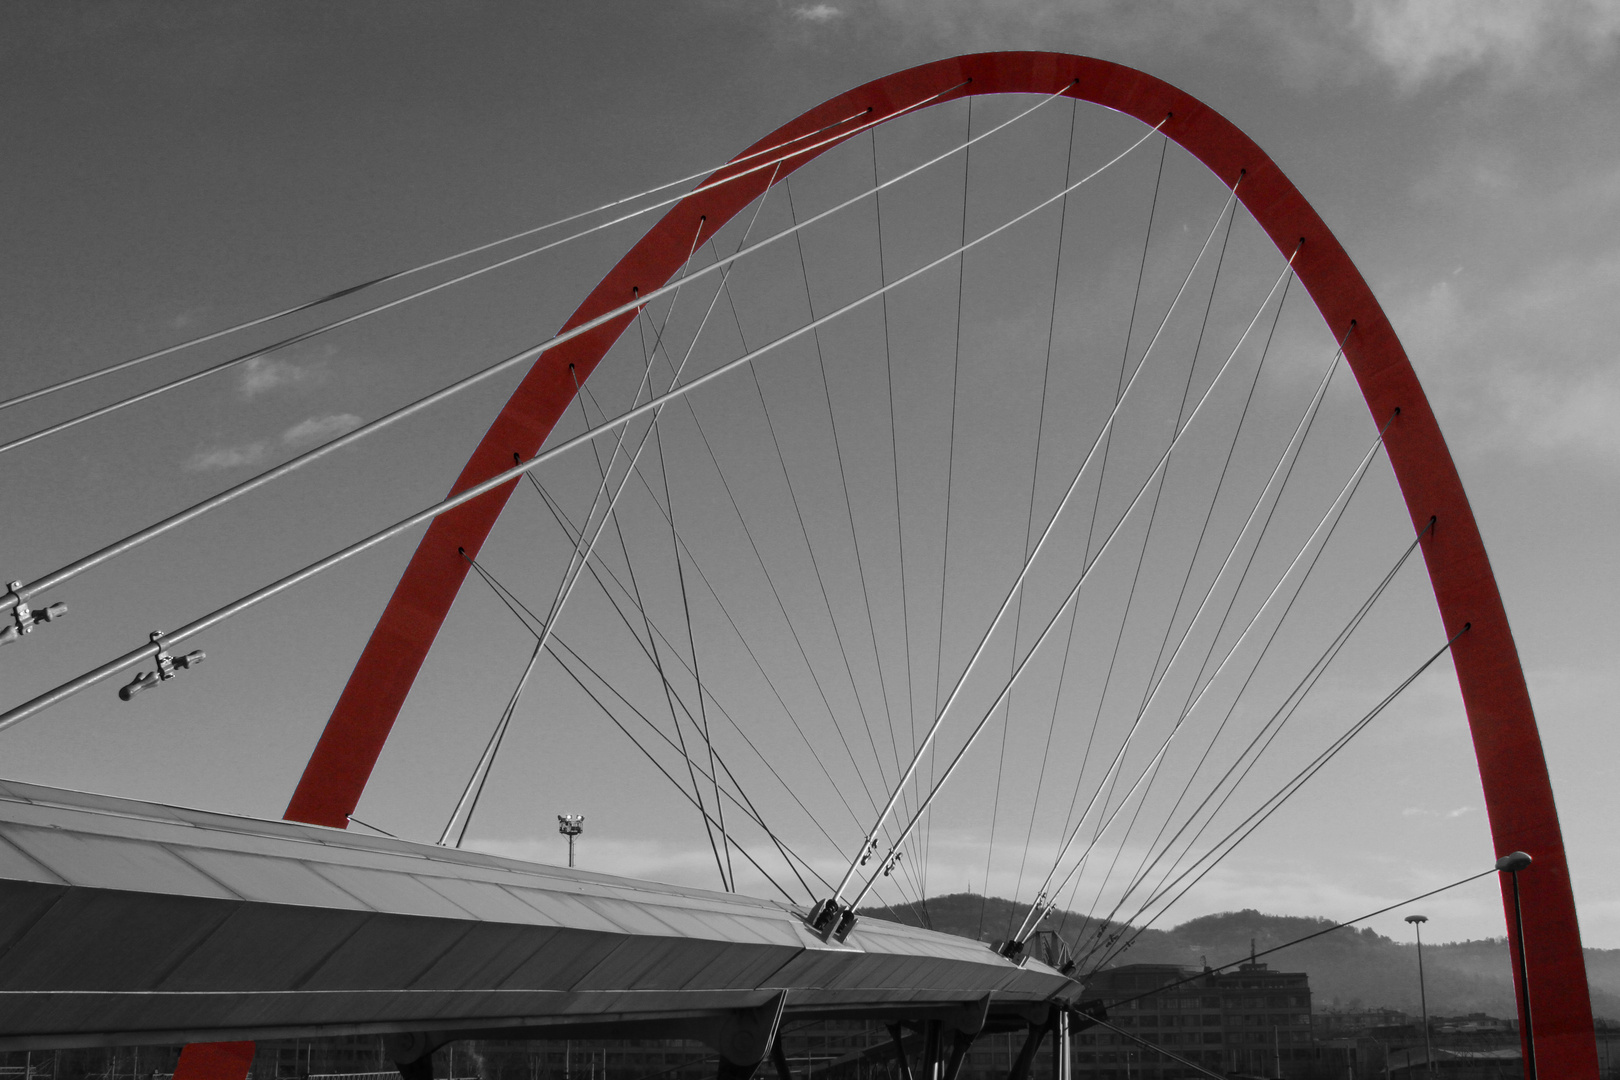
(1084, 577)
(1220, 574)
(433, 264)
(869, 843)
(77, 567)
(1350, 484)
(421, 517)
(135, 399)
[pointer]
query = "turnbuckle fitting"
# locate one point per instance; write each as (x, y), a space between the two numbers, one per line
(166, 668)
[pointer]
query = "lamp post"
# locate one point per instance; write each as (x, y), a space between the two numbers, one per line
(570, 825)
(1512, 863)
(1417, 922)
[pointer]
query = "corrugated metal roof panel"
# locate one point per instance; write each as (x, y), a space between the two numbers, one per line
(105, 862)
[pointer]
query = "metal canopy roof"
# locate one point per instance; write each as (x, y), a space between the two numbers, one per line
(126, 922)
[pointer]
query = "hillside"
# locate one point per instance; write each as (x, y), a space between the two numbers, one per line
(1348, 967)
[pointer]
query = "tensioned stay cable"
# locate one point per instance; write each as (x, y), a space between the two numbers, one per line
(1288, 457)
(1334, 513)
(528, 618)
(1029, 530)
(1158, 495)
(899, 518)
(576, 562)
(9, 599)
(1259, 817)
(1274, 724)
(1085, 574)
(950, 472)
(500, 479)
(572, 534)
(350, 290)
(1039, 544)
(849, 513)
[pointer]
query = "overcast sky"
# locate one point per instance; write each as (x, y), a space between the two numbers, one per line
(168, 169)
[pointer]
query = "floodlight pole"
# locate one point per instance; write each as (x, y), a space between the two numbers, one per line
(1417, 922)
(1512, 864)
(570, 825)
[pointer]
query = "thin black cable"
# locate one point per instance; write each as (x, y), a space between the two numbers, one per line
(1326, 658)
(899, 518)
(526, 617)
(1147, 539)
(1157, 1049)
(1051, 331)
(1029, 529)
(1155, 679)
(1284, 712)
(1299, 940)
(1300, 779)
(1102, 473)
(742, 638)
(707, 828)
(950, 469)
(691, 640)
(373, 828)
(750, 810)
(838, 450)
(731, 840)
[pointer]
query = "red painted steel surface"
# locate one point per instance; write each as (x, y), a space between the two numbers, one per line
(1518, 793)
(214, 1061)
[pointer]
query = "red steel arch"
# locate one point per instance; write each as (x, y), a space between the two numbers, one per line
(1518, 794)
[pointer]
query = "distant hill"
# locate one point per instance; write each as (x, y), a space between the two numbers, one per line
(1348, 967)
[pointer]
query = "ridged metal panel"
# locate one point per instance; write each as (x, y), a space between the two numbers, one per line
(127, 922)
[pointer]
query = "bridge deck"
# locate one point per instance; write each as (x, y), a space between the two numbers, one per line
(125, 922)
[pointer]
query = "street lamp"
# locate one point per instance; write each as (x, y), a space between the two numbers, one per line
(1512, 863)
(570, 825)
(1417, 922)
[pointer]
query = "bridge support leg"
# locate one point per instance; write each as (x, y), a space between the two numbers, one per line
(412, 1054)
(779, 1059)
(1026, 1056)
(1062, 1058)
(745, 1038)
(931, 1049)
(899, 1036)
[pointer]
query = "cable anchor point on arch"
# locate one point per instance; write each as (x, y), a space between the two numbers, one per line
(23, 617)
(167, 668)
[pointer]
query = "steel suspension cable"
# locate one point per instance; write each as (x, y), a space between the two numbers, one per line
(1039, 545)
(1274, 724)
(1334, 513)
(576, 563)
(1275, 802)
(10, 599)
(500, 479)
(1029, 531)
(396, 275)
(572, 533)
(741, 800)
(1085, 574)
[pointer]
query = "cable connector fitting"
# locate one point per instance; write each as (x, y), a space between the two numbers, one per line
(166, 668)
(830, 920)
(25, 618)
(892, 862)
(869, 850)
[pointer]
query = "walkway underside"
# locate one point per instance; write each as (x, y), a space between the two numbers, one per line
(124, 922)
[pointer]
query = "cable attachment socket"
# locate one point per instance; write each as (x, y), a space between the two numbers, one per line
(25, 618)
(166, 668)
(892, 862)
(869, 851)
(830, 920)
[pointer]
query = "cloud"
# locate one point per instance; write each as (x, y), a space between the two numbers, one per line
(319, 429)
(261, 374)
(817, 13)
(226, 457)
(1422, 41)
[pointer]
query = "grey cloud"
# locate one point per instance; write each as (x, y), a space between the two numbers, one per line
(262, 374)
(226, 457)
(319, 428)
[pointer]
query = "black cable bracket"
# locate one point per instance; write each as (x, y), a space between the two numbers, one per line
(25, 618)
(168, 666)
